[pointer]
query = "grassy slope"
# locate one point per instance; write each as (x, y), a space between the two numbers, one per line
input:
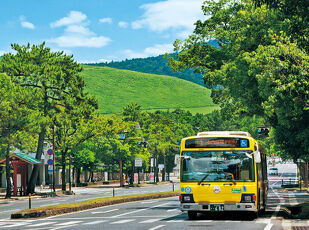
(115, 88)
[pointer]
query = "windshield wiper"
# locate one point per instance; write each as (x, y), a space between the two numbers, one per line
(202, 179)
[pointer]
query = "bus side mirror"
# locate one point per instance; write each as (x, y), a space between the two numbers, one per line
(257, 157)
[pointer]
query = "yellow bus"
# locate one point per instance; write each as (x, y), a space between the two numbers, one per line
(222, 171)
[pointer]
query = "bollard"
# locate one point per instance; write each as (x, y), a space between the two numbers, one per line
(173, 187)
(282, 182)
(29, 200)
(113, 192)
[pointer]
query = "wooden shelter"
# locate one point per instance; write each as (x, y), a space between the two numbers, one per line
(20, 162)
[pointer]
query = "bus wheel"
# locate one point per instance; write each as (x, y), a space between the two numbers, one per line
(254, 215)
(192, 215)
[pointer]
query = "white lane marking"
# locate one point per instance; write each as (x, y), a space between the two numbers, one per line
(148, 221)
(172, 210)
(268, 226)
(49, 204)
(175, 221)
(95, 222)
(41, 224)
(262, 221)
(141, 210)
(204, 221)
(68, 223)
(14, 225)
(122, 221)
(149, 202)
(112, 210)
(14, 210)
(157, 227)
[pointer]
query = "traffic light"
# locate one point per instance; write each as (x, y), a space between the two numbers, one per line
(263, 131)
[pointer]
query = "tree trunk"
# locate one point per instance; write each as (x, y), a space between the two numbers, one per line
(36, 168)
(156, 169)
(306, 174)
(77, 176)
(8, 173)
(121, 174)
(164, 169)
(63, 164)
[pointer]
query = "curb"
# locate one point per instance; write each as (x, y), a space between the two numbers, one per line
(75, 207)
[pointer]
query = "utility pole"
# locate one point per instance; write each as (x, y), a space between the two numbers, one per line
(54, 173)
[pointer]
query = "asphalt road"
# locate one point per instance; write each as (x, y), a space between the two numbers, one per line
(82, 194)
(165, 214)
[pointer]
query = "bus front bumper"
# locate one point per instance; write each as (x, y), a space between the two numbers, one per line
(218, 207)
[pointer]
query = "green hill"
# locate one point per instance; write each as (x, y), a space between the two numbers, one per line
(154, 65)
(115, 88)
(157, 65)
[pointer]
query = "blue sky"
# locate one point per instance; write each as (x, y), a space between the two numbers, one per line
(99, 30)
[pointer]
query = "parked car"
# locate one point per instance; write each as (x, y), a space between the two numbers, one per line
(273, 171)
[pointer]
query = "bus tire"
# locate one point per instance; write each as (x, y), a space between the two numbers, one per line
(192, 215)
(254, 215)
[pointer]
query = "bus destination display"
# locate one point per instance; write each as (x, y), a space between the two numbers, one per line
(217, 143)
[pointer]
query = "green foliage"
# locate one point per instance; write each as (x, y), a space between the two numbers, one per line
(55, 84)
(116, 88)
(257, 66)
(17, 121)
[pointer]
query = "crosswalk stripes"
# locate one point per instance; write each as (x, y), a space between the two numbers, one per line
(123, 221)
(41, 224)
(53, 224)
(68, 223)
(149, 221)
(95, 222)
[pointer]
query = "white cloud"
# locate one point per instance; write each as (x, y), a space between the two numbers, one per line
(170, 14)
(79, 29)
(77, 33)
(123, 24)
(74, 17)
(80, 41)
(93, 62)
(155, 50)
(26, 24)
(106, 20)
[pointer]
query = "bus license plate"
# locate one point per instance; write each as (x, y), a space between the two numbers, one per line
(217, 207)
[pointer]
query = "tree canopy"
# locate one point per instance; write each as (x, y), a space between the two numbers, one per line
(261, 64)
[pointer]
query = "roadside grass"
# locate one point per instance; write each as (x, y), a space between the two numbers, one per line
(116, 88)
(88, 204)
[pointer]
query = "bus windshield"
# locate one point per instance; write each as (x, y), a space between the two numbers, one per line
(212, 166)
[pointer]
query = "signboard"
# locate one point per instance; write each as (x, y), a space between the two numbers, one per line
(50, 162)
(217, 142)
(50, 151)
(122, 136)
(151, 162)
(161, 166)
(138, 162)
(50, 172)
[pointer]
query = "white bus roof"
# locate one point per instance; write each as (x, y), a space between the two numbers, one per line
(224, 133)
